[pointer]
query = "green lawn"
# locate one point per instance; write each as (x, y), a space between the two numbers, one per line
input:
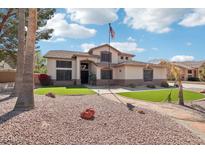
(161, 95)
(64, 90)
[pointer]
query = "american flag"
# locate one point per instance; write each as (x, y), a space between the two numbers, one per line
(111, 31)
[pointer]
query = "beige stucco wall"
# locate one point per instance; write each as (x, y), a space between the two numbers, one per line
(159, 73)
(124, 58)
(106, 48)
(51, 67)
(119, 73)
(133, 72)
(136, 72)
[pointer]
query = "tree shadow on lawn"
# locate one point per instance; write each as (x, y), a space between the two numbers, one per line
(128, 105)
(9, 115)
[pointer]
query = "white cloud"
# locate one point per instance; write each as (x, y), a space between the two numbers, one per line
(97, 16)
(127, 46)
(153, 20)
(62, 29)
(86, 46)
(130, 39)
(55, 40)
(189, 44)
(195, 18)
(181, 58)
(122, 46)
(155, 49)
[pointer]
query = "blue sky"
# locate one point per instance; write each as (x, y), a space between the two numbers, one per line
(173, 34)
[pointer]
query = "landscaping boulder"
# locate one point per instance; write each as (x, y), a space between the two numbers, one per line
(141, 112)
(51, 95)
(88, 114)
(203, 91)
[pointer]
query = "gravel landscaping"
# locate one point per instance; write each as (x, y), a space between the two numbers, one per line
(57, 121)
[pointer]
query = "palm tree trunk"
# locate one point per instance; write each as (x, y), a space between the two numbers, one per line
(181, 96)
(20, 53)
(25, 100)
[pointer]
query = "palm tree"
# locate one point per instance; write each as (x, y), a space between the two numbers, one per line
(20, 53)
(25, 99)
(175, 71)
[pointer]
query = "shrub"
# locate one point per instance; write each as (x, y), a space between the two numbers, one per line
(92, 79)
(132, 85)
(164, 84)
(176, 85)
(193, 79)
(44, 79)
(151, 86)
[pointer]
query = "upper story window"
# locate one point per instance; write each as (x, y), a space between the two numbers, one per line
(121, 57)
(189, 71)
(63, 64)
(106, 56)
(126, 58)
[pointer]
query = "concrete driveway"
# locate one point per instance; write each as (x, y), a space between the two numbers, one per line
(192, 86)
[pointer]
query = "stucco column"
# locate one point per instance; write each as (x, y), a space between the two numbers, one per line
(78, 71)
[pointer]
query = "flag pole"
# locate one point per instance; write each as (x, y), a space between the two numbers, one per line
(109, 51)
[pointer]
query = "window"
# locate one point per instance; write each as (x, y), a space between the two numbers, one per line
(121, 57)
(148, 74)
(63, 75)
(106, 74)
(63, 64)
(189, 71)
(126, 58)
(105, 57)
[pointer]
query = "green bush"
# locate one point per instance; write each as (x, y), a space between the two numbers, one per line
(151, 86)
(164, 84)
(132, 85)
(193, 79)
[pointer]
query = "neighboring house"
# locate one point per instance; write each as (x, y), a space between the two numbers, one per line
(104, 64)
(7, 72)
(190, 69)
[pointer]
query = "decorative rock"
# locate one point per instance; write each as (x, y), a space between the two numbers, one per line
(203, 91)
(51, 95)
(141, 112)
(88, 114)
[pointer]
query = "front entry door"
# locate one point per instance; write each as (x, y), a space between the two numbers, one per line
(84, 77)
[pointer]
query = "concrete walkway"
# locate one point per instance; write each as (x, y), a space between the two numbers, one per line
(118, 89)
(189, 118)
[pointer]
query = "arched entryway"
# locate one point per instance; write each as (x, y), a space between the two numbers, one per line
(87, 68)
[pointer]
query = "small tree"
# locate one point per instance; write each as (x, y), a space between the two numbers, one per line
(202, 73)
(40, 63)
(175, 71)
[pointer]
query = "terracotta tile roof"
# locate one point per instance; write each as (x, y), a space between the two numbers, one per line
(139, 63)
(119, 52)
(64, 54)
(190, 64)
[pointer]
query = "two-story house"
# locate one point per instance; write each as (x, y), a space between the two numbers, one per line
(104, 65)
